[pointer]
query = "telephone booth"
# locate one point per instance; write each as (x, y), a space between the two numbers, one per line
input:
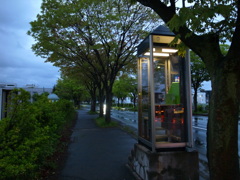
(164, 98)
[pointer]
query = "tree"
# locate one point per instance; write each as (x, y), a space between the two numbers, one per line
(36, 96)
(70, 89)
(199, 74)
(120, 90)
(202, 27)
(133, 90)
(87, 79)
(100, 35)
(124, 87)
(224, 49)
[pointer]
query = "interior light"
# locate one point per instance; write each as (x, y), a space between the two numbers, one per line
(169, 50)
(157, 54)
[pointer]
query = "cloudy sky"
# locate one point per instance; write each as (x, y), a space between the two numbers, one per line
(18, 64)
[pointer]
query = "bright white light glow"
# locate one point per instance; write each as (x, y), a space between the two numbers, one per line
(104, 108)
(169, 50)
(157, 54)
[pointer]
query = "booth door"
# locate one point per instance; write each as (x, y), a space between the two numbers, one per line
(169, 105)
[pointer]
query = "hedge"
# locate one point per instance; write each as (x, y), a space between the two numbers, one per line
(30, 133)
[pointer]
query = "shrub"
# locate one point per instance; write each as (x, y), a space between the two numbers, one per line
(29, 134)
(202, 108)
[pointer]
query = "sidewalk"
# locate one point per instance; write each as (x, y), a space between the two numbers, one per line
(97, 153)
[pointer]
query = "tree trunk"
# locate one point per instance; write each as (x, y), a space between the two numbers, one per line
(92, 90)
(134, 100)
(222, 130)
(93, 104)
(101, 102)
(118, 102)
(122, 99)
(108, 107)
(195, 100)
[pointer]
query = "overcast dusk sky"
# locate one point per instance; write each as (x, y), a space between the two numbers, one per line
(18, 64)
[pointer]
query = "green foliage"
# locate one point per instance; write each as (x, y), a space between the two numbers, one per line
(202, 109)
(71, 89)
(100, 121)
(208, 16)
(124, 87)
(37, 96)
(100, 37)
(29, 134)
(121, 88)
(92, 112)
(71, 33)
(224, 48)
(199, 73)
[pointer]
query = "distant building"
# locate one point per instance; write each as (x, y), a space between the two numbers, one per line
(208, 96)
(36, 90)
(127, 100)
(203, 97)
(32, 89)
(6, 88)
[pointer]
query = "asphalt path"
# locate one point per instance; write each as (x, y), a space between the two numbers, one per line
(97, 153)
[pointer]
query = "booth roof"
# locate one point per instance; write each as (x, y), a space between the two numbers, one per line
(160, 30)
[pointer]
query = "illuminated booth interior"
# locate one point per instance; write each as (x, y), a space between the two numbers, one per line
(164, 149)
(164, 117)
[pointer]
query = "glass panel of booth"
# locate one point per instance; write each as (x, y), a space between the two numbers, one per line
(144, 124)
(169, 109)
(169, 105)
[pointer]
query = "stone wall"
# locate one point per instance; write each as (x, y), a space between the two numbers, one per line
(179, 165)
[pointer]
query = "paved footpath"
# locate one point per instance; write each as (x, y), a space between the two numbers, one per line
(97, 153)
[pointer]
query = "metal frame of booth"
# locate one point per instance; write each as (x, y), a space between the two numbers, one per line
(164, 94)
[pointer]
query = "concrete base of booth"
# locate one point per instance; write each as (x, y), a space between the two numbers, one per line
(149, 165)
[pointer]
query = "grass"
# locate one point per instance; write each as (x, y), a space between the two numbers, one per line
(92, 112)
(100, 121)
(200, 113)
